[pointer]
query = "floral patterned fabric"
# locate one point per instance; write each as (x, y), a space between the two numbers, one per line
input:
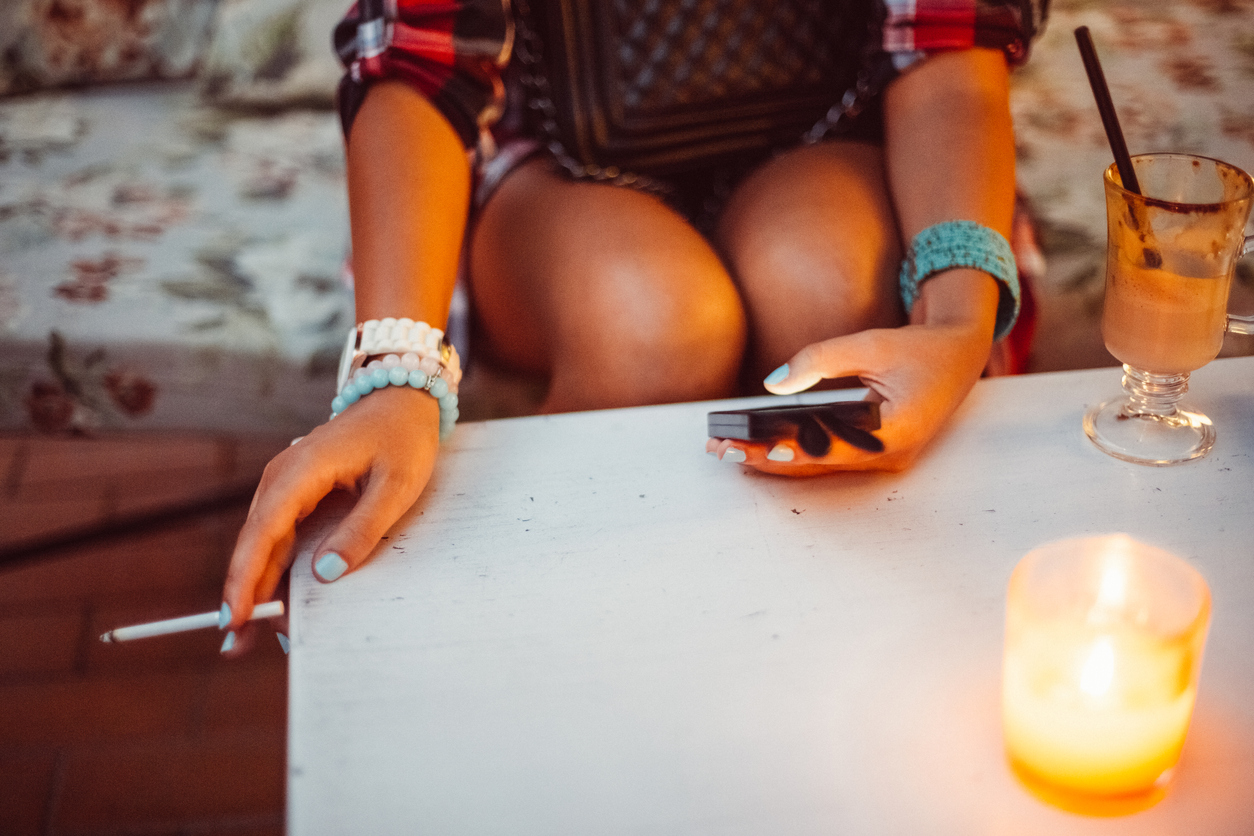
(164, 265)
(167, 264)
(272, 54)
(51, 43)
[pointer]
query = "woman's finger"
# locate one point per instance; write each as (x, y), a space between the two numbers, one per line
(784, 457)
(382, 503)
(237, 641)
(291, 487)
(276, 570)
(240, 641)
(281, 624)
(855, 355)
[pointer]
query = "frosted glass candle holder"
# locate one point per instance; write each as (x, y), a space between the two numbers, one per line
(1104, 640)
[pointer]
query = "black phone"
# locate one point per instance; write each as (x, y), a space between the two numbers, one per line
(811, 425)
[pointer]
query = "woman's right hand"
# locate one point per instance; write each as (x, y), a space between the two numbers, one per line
(382, 448)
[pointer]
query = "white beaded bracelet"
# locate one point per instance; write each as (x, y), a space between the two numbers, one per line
(399, 336)
(424, 373)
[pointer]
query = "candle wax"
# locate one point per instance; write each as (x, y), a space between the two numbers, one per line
(1097, 710)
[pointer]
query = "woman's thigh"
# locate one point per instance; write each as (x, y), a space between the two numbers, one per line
(603, 289)
(813, 244)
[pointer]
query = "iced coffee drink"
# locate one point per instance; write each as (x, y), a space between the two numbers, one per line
(1161, 321)
(1171, 251)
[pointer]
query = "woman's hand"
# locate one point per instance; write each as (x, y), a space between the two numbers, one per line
(382, 448)
(919, 374)
(408, 198)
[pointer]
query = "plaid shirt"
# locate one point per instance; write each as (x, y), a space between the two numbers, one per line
(938, 25)
(454, 51)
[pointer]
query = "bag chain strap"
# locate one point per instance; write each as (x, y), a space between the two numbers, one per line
(873, 76)
(530, 51)
(849, 106)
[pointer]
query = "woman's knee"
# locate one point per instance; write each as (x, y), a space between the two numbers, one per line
(616, 297)
(656, 325)
(812, 242)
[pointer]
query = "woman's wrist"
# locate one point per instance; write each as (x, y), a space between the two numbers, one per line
(429, 364)
(956, 244)
(959, 296)
(426, 375)
(417, 411)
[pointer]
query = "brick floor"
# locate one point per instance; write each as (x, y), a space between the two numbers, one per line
(136, 569)
(41, 640)
(160, 736)
(25, 783)
(168, 782)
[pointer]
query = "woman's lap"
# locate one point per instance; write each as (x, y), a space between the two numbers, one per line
(619, 300)
(603, 289)
(813, 244)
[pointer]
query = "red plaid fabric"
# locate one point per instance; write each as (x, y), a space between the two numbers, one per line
(936, 25)
(452, 51)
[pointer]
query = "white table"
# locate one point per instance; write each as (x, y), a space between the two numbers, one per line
(588, 626)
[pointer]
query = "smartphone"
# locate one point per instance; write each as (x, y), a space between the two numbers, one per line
(811, 425)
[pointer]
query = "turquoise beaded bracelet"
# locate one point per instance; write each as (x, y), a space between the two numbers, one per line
(410, 370)
(963, 244)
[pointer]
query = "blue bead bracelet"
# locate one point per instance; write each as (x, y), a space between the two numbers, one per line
(368, 380)
(963, 244)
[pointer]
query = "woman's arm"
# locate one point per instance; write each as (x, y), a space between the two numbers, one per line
(409, 187)
(949, 154)
(949, 151)
(408, 197)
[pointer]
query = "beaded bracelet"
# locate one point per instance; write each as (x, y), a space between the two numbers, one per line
(407, 370)
(963, 244)
(398, 336)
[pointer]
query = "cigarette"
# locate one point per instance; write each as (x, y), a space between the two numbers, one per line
(270, 609)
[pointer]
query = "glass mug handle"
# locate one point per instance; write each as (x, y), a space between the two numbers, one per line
(1243, 324)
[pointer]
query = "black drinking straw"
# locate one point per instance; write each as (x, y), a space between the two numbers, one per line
(1097, 80)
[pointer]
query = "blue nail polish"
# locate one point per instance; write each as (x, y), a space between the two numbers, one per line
(224, 616)
(228, 642)
(777, 375)
(330, 566)
(780, 453)
(734, 455)
(284, 643)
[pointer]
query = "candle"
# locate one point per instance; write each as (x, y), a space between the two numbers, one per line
(1104, 641)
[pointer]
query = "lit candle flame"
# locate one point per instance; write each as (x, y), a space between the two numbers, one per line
(1099, 669)
(1112, 593)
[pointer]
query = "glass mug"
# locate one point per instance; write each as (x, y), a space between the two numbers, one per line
(1170, 256)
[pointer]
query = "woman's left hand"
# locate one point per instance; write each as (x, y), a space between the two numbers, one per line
(918, 373)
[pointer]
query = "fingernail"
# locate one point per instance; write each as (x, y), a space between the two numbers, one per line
(330, 566)
(228, 642)
(224, 616)
(777, 375)
(284, 643)
(780, 453)
(734, 455)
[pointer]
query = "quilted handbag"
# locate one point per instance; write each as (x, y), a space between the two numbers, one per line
(659, 86)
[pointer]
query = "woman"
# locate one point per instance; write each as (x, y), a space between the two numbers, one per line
(614, 295)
